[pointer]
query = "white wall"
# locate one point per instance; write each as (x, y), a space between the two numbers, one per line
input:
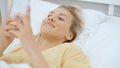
(95, 5)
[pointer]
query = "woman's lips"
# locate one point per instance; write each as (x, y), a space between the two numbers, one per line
(48, 23)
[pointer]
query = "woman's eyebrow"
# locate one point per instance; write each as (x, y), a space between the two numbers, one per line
(62, 14)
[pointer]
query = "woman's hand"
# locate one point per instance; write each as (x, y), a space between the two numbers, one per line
(5, 37)
(24, 30)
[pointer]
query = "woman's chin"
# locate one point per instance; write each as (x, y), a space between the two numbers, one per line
(47, 31)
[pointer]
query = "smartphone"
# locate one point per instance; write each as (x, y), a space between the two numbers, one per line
(18, 6)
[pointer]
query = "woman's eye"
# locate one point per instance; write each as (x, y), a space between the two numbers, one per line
(60, 18)
(49, 15)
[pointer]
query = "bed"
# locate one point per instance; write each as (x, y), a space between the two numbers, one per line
(100, 39)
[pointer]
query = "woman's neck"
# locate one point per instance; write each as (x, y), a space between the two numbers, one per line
(45, 43)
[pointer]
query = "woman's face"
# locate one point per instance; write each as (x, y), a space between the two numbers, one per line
(57, 24)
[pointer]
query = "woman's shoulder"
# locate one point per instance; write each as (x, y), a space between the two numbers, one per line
(75, 56)
(64, 48)
(72, 48)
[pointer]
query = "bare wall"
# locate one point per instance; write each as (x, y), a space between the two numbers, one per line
(101, 7)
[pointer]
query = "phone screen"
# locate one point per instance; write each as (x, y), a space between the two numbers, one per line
(18, 6)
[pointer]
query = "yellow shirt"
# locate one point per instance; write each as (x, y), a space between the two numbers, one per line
(65, 55)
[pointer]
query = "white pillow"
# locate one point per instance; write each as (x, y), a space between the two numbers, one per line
(93, 18)
(41, 8)
(103, 47)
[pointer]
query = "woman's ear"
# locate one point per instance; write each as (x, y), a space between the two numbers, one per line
(70, 36)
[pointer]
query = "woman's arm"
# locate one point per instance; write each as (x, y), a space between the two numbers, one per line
(38, 60)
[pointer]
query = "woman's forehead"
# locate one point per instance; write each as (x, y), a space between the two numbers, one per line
(61, 11)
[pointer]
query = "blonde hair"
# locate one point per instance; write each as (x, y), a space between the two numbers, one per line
(77, 22)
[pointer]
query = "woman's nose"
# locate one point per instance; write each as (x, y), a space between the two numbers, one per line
(51, 19)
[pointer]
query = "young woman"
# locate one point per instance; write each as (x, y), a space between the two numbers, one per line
(52, 48)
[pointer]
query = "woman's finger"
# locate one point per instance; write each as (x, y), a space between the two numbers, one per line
(9, 34)
(6, 33)
(8, 27)
(28, 11)
(17, 23)
(9, 20)
(14, 32)
(19, 16)
(23, 19)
